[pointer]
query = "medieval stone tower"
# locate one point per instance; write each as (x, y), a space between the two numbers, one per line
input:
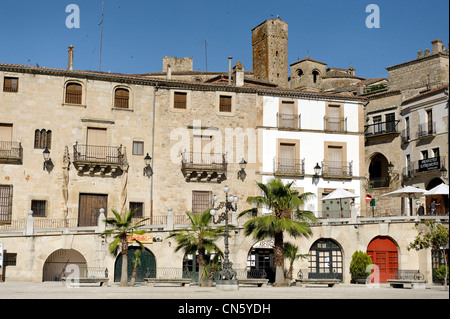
(270, 56)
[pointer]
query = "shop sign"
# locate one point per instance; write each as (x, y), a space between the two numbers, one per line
(144, 238)
(429, 164)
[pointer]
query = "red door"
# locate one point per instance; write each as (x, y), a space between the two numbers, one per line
(384, 255)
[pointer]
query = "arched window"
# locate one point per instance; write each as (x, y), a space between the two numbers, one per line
(42, 139)
(74, 92)
(316, 76)
(326, 260)
(299, 72)
(121, 98)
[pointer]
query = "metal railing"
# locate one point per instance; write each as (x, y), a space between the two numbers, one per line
(250, 273)
(431, 164)
(337, 169)
(426, 129)
(381, 128)
(289, 121)
(319, 273)
(167, 273)
(335, 124)
(408, 274)
(11, 150)
(203, 160)
(289, 166)
(97, 154)
(87, 272)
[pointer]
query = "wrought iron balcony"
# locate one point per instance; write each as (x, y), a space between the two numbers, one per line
(381, 128)
(203, 166)
(426, 130)
(337, 169)
(97, 159)
(429, 165)
(335, 124)
(11, 152)
(288, 121)
(289, 167)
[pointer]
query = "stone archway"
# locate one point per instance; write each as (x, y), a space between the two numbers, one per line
(378, 171)
(384, 254)
(147, 266)
(57, 261)
(260, 257)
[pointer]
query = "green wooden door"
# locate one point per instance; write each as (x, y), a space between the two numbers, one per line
(148, 262)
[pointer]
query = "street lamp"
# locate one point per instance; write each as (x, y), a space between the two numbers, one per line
(48, 165)
(228, 279)
(148, 171)
(315, 178)
(242, 174)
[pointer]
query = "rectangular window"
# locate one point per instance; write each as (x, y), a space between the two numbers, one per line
(201, 201)
(6, 193)
(225, 103)
(138, 148)
(378, 126)
(430, 121)
(288, 118)
(287, 157)
(390, 122)
(10, 84)
(39, 208)
(334, 120)
(335, 154)
(179, 100)
(139, 207)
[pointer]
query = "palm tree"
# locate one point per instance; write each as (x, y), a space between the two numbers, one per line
(283, 203)
(290, 253)
(136, 263)
(122, 229)
(199, 238)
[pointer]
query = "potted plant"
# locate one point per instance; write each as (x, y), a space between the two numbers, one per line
(440, 274)
(358, 266)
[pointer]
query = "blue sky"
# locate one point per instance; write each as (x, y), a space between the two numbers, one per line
(137, 34)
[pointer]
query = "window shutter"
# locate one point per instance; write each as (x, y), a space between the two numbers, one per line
(179, 100)
(225, 103)
(73, 93)
(121, 98)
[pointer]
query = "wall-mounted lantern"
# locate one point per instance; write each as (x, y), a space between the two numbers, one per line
(148, 171)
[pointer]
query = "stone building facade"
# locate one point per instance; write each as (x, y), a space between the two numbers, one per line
(73, 143)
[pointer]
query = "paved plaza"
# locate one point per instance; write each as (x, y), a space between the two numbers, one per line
(57, 290)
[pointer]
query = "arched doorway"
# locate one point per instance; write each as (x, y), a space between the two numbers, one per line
(441, 200)
(378, 172)
(191, 267)
(260, 257)
(58, 260)
(384, 254)
(147, 267)
(326, 260)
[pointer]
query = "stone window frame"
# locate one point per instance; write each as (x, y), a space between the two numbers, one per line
(172, 107)
(83, 84)
(233, 103)
(130, 107)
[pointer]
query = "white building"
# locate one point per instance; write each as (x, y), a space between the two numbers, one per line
(302, 130)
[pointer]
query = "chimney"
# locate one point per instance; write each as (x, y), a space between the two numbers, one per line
(229, 69)
(419, 54)
(238, 74)
(436, 46)
(70, 58)
(169, 72)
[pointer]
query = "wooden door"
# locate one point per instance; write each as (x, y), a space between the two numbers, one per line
(384, 255)
(335, 154)
(89, 208)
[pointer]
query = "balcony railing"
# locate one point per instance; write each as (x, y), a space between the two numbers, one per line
(335, 124)
(406, 136)
(426, 130)
(10, 151)
(288, 167)
(289, 121)
(93, 158)
(432, 164)
(209, 166)
(337, 169)
(381, 128)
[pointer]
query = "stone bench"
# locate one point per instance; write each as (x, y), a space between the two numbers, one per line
(185, 282)
(407, 283)
(260, 282)
(329, 282)
(75, 281)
